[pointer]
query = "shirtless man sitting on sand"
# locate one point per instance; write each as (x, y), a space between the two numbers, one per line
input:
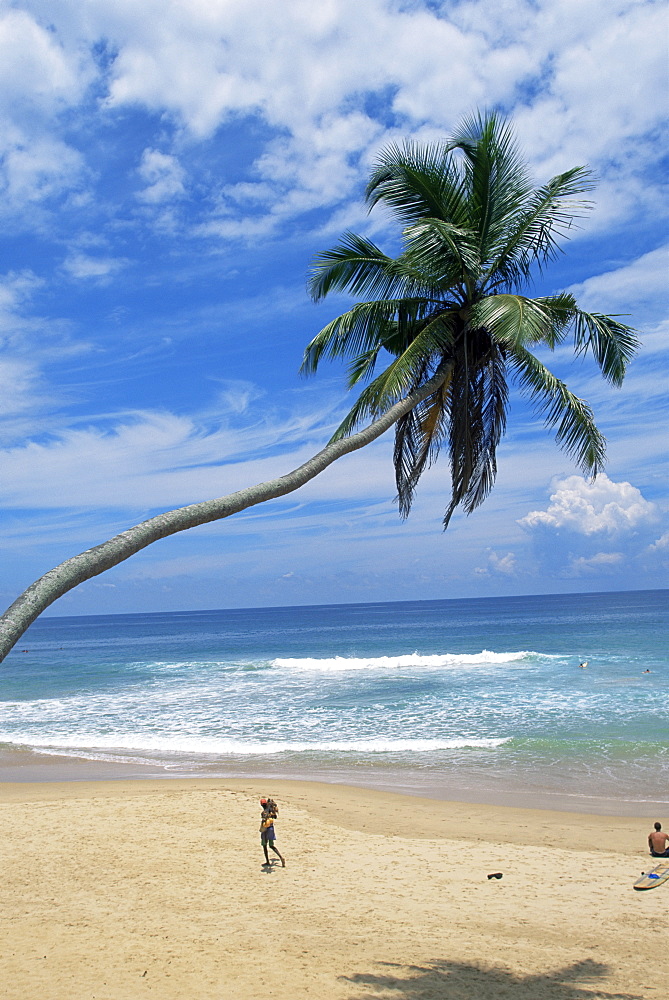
(658, 842)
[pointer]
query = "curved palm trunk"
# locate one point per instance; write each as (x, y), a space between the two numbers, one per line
(72, 572)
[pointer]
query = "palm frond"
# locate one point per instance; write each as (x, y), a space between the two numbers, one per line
(418, 181)
(358, 266)
(478, 406)
(447, 253)
(560, 308)
(417, 362)
(419, 435)
(613, 344)
(530, 235)
(361, 367)
(572, 418)
(516, 319)
(488, 135)
(363, 328)
(497, 180)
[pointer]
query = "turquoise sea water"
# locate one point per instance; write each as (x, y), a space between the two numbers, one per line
(474, 699)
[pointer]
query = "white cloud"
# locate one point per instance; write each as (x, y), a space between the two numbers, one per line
(81, 265)
(164, 176)
(637, 287)
(237, 395)
(16, 289)
(661, 545)
(19, 380)
(327, 78)
(600, 562)
(159, 459)
(600, 66)
(29, 344)
(655, 340)
(39, 77)
(35, 168)
(504, 565)
(598, 532)
(592, 508)
(36, 69)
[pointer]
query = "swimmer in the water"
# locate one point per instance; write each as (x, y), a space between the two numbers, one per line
(583, 665)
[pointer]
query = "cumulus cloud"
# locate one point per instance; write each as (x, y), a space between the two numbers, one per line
(592, 508)
(505, 565)
(600, 562)
(661, 545)
(329, 81)
(164, 176)
(309, 72)
(34, 169)
(39, 77)
(36, 68)
(596, 531)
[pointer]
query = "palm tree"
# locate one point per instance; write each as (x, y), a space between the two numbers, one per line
(450, 315)
(451, 302)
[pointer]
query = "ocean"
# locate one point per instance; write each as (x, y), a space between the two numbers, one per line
(473, 700)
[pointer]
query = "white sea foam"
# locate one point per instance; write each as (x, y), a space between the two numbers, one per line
(221, 747)
(434, 661)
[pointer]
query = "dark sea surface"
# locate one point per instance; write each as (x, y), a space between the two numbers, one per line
(480, 700)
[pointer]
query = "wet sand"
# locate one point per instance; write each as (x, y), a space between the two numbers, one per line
(23, 764)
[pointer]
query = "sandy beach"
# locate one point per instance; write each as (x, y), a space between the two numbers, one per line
(116, 890)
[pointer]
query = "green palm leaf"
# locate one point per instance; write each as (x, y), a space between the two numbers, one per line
(388, 324)
(474, 233)
(572, 418)
(415, 365)
(532, 232)
(495, 176)
(516, 319)
(419, 436)
(447, 253)
(357, 266)
(613, 344)
(478, 403)
(418, 182)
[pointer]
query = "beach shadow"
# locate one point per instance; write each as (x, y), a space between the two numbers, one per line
(443, 980)
(269, 869)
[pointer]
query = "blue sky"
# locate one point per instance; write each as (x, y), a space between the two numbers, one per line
(168, 172)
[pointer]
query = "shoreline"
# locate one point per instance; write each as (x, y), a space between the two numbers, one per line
(19, 765)
(122, 888)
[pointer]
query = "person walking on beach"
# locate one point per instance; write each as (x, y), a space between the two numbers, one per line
(658, 842)
(267, 835)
